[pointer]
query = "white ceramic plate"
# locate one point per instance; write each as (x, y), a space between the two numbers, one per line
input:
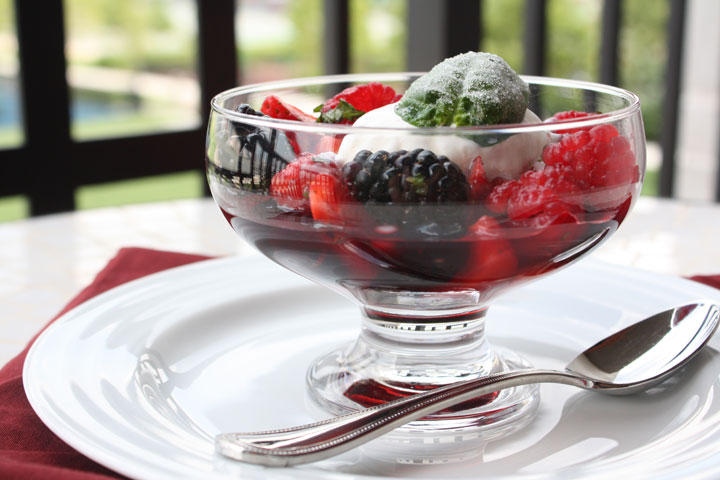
(142, 377)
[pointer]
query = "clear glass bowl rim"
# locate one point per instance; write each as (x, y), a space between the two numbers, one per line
(632, 108)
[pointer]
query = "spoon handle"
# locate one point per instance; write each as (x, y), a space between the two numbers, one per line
(324, 439)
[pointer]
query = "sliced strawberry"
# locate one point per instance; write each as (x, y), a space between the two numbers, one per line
(492, 256)
(348, 105)
(479, 185)
(274, 107)
(291, 186)
(329, 143)
(327, 196)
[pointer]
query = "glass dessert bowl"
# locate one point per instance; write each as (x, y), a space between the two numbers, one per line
(423, 226)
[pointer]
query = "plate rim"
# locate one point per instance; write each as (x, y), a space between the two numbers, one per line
(116, 462)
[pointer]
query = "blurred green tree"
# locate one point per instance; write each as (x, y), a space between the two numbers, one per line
(377, 35)
(573, 44)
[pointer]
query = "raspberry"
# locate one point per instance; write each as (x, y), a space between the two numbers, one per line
(497, 199)
(274, 107)
(538, 189)
(553, 154)
(594, 158)
(618, 168)
(569, 115)
(603, 133)
(597, 160)
(348, 105)
(620, 144)
(291, 186)
(573, 141)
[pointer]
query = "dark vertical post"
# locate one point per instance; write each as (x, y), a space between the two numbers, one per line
(609, 50)
(217, 55)
(676, 27)
(534, 38)
(46, 106)
(336, 20)
(480, 22)
(438, 29)
(717, 175)
(217, 59)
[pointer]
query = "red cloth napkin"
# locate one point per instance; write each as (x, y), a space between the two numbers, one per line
(28, 450)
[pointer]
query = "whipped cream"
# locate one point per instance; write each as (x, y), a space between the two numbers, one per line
(507, 159)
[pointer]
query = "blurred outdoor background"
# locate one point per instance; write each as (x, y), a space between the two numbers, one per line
(132, 66)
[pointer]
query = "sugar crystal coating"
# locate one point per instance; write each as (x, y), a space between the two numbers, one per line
(470, 89)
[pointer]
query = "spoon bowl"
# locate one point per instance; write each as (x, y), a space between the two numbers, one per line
(629, 361)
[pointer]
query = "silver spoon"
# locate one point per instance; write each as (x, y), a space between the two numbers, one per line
(629, 361)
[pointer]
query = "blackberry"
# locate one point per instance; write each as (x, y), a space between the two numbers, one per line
(248, 110)
(415, 191)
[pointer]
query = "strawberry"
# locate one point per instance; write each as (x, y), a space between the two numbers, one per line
(291, 186)
(492, 256)
(329, 143)
(479, 184)
(274, 107)
(327, 195)
(350, 104)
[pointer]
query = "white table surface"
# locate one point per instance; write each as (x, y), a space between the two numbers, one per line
(45, 261)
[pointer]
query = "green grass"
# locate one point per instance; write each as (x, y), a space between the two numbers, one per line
(651, 183)
(11, 137)
(132, 124)
(174, 186)
(14, 208)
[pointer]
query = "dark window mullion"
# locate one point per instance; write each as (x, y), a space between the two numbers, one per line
(534, 38)
(336, 21)
(217, 61)
(609, 50)
(46, 107)
(440, 29)
(676, 27)
(114, 159)
(217, 54)
(13, 164)
(717, 174)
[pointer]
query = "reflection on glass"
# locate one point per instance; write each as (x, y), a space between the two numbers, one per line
(131, 66)
(10, 109)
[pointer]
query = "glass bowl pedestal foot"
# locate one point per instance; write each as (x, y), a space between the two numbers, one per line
(395, 357)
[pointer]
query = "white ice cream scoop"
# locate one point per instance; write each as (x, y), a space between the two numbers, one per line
(507, 159)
